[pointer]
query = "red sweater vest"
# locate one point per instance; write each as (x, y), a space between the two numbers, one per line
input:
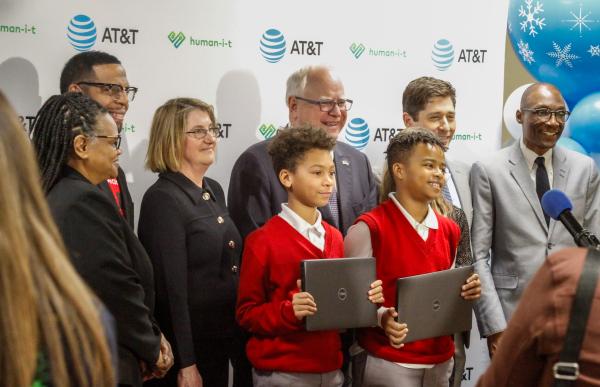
(401, 252)
(270, 269)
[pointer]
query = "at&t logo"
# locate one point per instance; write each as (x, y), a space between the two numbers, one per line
(357, 133)
(81, 32)
(272, 45)
(442, 54)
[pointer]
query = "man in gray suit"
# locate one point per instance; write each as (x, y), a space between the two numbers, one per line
(315, 96)
(430, 103)
(511, 235)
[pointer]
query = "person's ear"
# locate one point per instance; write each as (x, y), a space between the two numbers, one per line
(81, 147)
(286, 179)
(519, 116)
(293, 109)
(74, 88)
(408, 120)
(398, 171)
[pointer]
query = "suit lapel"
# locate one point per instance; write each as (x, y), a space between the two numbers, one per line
(520, 172)
(560, 168)
(343, 170)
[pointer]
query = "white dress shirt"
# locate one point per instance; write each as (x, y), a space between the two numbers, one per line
(530, 157)
(315, 233)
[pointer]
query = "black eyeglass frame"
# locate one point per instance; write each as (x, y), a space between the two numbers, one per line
(327, 105)
(116, 144)
(539, 111)
(130, 91)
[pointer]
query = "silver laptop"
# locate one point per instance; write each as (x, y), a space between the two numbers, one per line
(340, 288)
(431, 304)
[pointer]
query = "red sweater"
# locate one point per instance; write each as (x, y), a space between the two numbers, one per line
(401, 252)
(270, 269)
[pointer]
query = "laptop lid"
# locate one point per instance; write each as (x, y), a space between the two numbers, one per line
(339, 287)
(431, 304)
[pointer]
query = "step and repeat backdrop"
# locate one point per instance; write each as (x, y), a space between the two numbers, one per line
(237, 56)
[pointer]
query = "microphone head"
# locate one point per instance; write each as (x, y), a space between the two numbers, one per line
(555, 202)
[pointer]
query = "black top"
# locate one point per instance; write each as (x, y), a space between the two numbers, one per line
(113, 263)
(195, 249)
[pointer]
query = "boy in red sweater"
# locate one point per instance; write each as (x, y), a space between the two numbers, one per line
(270, 304)
(407, 238)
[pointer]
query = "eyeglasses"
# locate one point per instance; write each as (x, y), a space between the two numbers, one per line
(327, 105)
(113, 89)
(116, 144)
(200, 133)
(545, 114)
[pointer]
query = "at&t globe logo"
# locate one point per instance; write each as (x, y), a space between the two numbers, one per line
(82, 32)
(442, 54)
(272, 45)
(357, 133)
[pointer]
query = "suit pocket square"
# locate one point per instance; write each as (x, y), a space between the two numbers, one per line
(505, 281)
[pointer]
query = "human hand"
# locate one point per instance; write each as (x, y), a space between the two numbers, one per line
(165, 358)
(471, 290)
(303, 303)
(395, 331)
(493, 341)
(189, 377)
(376, 292)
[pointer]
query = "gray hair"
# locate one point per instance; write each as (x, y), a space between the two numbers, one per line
(296, 83)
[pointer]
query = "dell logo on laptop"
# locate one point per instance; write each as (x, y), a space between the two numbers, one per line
(342, 294)
(436, 305)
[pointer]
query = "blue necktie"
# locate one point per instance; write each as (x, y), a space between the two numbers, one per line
(333, 207)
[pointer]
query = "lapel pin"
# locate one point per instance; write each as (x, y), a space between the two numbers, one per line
(345, 162)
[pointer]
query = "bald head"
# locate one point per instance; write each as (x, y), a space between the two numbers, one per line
(536, 90)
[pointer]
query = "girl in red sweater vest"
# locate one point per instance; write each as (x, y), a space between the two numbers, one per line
(270, 304)
(407, 238)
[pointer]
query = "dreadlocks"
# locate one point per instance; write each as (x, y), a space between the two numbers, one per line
(57, 123)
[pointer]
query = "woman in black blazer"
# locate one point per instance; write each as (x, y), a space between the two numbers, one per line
(193, 244)
(77, 145)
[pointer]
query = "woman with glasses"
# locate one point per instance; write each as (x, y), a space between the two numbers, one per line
(193, 244)
(77, 145)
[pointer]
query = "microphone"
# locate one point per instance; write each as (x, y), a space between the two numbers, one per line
(558, 206)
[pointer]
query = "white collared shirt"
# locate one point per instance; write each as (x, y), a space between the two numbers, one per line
(315, 233)
(422, 228)
(530, 157)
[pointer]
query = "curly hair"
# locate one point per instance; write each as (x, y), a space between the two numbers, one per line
(399, 150)
(291, 144)
(57, 123)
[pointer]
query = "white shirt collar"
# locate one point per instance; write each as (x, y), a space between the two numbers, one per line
(313, 232)
(430, 220)
(530, 156)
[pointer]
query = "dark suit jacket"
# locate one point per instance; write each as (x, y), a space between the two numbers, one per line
(114, 264)
(255, 194)
(125, 197)
(195, 249)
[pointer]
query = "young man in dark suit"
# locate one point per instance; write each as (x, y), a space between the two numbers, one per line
(101, 77)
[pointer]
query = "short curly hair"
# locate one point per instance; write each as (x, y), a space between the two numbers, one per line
(291, 144)
(403, 144)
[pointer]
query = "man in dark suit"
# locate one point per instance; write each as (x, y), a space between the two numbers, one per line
(315, 96)
(101, 77)
(430, 103)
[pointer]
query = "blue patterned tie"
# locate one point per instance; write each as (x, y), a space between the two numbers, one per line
(333, 207)
(446, 193)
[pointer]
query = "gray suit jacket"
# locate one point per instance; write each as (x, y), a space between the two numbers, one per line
(508, 220)
(255, 194)
(460, 176)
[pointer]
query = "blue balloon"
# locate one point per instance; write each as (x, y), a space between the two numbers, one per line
(558, 42)
(571, 144)
(584, 123)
